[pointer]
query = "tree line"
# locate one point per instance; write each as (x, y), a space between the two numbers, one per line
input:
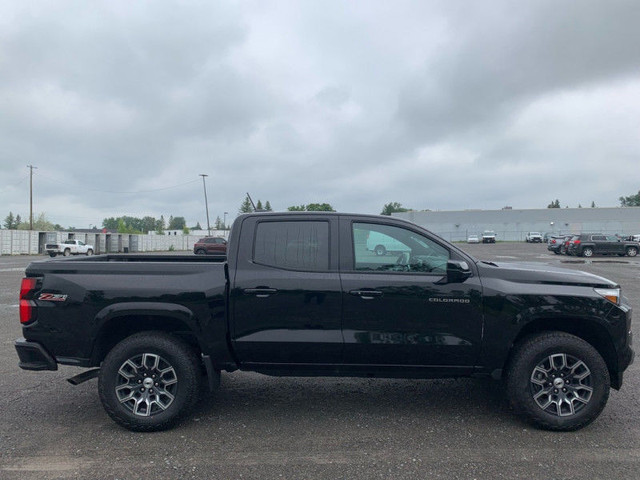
(128, 224)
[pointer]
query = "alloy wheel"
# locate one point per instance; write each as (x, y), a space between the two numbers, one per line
(146, 384)
(561, 385)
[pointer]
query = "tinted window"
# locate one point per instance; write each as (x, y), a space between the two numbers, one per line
(598, 237)
(293, 245)
(387, 248)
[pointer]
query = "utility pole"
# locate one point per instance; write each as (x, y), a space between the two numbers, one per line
(224, 222)
(206, 203)
(31, 167)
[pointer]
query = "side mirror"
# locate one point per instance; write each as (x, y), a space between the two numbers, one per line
(458, 271)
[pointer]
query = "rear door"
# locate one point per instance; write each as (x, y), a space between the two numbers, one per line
(399, 309)
(286, 296)
(600, 244)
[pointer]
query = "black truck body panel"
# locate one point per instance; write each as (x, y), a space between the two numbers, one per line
(336, 319)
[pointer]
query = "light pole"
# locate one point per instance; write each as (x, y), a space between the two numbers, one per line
(224, 222)
(206, 203)
(31, 167)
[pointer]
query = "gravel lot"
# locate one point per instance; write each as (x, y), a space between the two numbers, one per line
(299, 428)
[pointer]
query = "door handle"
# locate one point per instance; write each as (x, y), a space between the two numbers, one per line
(260, 292)
(366, 294)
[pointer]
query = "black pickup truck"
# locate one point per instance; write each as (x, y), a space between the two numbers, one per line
(300, 295)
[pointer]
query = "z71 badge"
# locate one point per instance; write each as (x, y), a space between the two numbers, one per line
(52, 297)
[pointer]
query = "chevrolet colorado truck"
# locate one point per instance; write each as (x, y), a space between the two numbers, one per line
(300, 294)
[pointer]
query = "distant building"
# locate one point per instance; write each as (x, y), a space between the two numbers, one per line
(201, 233)
(513, 224)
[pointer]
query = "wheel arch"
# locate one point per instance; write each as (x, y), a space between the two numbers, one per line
(120, 323)
(588, 330)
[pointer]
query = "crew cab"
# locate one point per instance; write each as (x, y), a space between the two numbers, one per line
(301, 294)
(68, 247)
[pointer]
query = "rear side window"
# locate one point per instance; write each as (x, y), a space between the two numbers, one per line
(293, 245)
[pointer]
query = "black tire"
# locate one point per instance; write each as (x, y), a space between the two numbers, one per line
(67, 252)
(200, 252)
(126, 381)
(632, 251)
(587, 252)
(52, 254)
(89, 252)
(578, 381)
(557, 252)
(380, 250)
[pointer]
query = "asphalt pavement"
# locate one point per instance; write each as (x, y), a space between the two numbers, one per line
(313, 428)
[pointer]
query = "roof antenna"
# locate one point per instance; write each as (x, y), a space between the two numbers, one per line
(251, 200)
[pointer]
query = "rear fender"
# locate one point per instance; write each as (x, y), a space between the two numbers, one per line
(117, 316)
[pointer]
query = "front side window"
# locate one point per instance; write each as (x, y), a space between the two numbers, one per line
(396, 249)
(293, 245)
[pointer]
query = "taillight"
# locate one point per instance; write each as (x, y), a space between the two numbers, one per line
(27, 306)
(576, 242)
(553, 241)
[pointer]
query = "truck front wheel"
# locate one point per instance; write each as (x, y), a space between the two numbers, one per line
(67, 252)
(149, 380)
(558, 381)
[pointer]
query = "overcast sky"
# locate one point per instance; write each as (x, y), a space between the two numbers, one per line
(436, 105)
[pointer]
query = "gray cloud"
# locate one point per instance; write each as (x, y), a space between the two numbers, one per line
(436, 105)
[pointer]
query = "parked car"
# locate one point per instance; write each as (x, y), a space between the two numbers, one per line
(589, 244)
(68, 247)
(210, 246)
(556, 242)
(533, 237)
(473, 239)
(293, 297)
(488, 236)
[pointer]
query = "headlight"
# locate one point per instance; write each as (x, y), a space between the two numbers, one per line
(611, 294)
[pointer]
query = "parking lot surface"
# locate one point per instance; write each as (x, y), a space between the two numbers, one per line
(311, 428)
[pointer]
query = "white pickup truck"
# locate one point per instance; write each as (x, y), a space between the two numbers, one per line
(68, 247)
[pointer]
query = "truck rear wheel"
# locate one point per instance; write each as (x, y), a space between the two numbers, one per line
(558, 381)
(149, 381)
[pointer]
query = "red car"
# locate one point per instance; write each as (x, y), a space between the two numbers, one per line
(210, 246)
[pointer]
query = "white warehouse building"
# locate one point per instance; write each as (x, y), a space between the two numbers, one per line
(513, 225)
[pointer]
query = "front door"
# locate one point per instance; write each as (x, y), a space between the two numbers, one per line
(399, 308)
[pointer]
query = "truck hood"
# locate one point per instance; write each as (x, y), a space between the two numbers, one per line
(523, 272)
